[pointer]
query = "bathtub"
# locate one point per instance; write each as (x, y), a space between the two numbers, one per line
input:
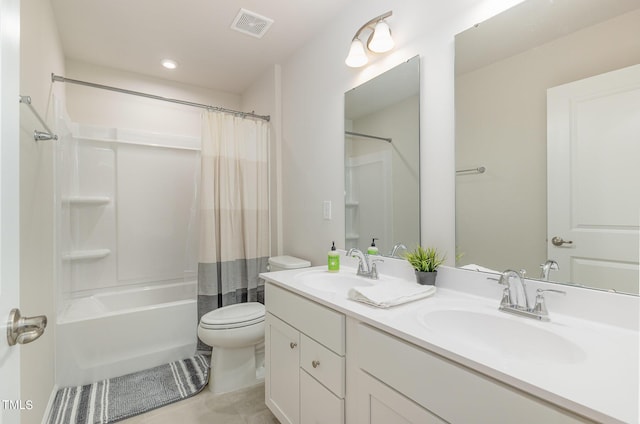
(111, 334)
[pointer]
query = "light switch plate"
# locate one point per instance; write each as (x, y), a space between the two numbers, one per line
(326, 209)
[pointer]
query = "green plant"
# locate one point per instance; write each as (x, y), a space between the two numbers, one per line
(425, 260)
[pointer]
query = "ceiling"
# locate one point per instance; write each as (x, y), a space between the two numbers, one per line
(136, 35)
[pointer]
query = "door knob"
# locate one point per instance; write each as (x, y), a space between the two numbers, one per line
(558, 241)
(24, 330)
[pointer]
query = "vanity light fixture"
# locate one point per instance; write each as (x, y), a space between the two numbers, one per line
(169, 64)
(379, 41)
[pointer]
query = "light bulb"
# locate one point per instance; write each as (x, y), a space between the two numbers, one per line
(381, 40)
(357, 56)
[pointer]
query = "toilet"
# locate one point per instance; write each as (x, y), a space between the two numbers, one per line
(236, 335)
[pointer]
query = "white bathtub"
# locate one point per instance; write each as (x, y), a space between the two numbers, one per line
(116, 333)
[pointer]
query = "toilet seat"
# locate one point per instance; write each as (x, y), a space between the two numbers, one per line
(233, 316)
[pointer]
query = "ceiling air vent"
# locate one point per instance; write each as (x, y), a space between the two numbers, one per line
(251, 23)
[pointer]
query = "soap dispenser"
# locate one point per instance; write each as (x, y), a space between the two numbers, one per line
(333, 260)
(373, 250)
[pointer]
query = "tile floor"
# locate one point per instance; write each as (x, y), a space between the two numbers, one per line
(242, 407)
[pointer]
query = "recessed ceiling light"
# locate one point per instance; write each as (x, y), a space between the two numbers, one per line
(169, 64)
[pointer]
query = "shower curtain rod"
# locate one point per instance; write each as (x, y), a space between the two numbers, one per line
(388, 140)
(58, 78)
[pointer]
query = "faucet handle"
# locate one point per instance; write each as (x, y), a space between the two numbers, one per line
(540, 307)
(374, 268)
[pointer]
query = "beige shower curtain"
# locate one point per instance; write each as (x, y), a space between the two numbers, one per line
(234, 210)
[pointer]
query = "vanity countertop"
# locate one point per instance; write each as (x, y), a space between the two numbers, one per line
(588, 367)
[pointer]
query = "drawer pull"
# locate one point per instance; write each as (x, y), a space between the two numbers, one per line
(293, 345)
(315, 364)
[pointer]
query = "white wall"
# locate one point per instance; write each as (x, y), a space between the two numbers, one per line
(502, 125)
(314, 82)
(41, 54)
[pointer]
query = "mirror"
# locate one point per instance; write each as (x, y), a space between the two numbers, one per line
(515, 75)
(382, 163)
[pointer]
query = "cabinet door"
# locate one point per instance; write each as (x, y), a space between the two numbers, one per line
(379, 404)
(317, 404)
(282, 378)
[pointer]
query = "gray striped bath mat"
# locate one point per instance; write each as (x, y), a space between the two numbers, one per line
(123, 397)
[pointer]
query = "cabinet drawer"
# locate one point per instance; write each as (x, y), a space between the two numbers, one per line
(324, 365)
(322, 324)
(439, 385)
(317, 404)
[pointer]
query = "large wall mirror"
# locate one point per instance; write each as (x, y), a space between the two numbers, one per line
(382, 165)
(548, 142)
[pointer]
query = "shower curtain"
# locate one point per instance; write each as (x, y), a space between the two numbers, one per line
(233, 212)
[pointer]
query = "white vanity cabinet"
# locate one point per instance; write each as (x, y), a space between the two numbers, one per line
(404, 383)
(304, 359)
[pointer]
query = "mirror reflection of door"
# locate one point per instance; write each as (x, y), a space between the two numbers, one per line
(593, 148)
(504, 67)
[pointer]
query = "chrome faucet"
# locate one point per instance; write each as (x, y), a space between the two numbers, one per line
(397, 247)
(547, 267)
(366, 268)
(515, 300)
(517, 295)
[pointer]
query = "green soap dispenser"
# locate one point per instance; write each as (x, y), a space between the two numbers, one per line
(333, 261)
(373, 250)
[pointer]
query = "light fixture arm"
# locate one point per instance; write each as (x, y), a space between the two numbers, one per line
(372, 23)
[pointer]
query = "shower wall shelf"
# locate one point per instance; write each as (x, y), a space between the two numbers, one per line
(82, 255)
(352, 204)
(352, 236)
(86, 200)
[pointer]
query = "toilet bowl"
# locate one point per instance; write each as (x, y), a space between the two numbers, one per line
(236, 336)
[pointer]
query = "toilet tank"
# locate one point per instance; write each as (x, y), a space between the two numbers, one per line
(282, 263)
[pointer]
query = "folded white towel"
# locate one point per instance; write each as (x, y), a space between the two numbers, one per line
(384, 295)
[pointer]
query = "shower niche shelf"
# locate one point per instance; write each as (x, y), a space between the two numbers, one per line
(86, 200)
(83, 255)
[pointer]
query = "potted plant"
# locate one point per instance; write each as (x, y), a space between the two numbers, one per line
(426, 263)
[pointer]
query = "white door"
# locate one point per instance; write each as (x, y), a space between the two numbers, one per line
(9, 206)
(593, 157)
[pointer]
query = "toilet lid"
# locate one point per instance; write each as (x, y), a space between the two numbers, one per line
(233, 316)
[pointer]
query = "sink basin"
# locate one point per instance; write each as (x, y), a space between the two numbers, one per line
(330, 282)
(512, 337)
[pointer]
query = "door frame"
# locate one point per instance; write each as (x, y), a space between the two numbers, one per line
(9, 205)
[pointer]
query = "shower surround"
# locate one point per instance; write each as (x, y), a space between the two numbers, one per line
(126, 255)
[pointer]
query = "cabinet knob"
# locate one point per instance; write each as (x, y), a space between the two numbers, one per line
(293, 345)
(315, 364)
